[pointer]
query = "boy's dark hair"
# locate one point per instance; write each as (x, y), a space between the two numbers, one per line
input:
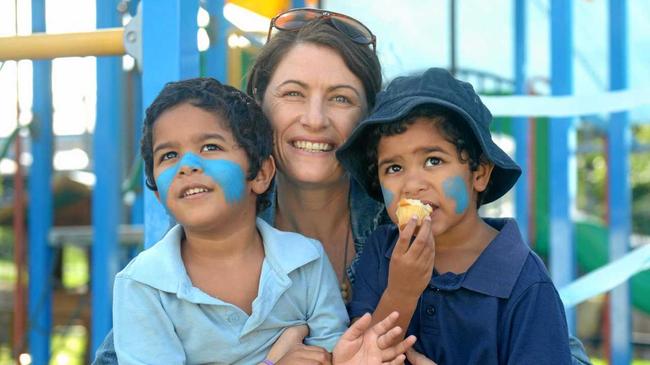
(360, 59)
(453, 127)
(244, 118)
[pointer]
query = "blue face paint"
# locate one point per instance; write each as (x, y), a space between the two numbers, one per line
(388, 196)
(455, 189)
(225, 173)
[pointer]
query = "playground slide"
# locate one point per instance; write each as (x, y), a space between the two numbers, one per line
(592, 241)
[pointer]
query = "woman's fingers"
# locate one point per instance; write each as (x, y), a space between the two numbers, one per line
(400, 348)
(399, 360)
(358, 328)
(386, 325)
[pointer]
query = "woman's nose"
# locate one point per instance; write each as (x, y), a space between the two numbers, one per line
(315, 116)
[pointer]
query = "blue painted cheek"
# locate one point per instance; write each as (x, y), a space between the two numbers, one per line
(455, 189)
(388, 196)
(227, 174)
(230, 176)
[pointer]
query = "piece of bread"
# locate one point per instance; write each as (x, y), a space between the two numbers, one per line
(407, 208)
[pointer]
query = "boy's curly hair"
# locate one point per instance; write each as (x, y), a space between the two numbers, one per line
(244, 117)
(454, 129)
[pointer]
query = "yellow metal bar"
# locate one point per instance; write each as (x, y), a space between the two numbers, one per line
(101, 42)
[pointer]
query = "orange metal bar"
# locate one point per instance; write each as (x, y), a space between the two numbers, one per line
(101, 42)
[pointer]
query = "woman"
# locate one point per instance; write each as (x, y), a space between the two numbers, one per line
(315, 83)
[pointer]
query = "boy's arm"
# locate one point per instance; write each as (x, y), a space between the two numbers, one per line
(535, 329)
(410, 270)
(327, 318)
(144, 334)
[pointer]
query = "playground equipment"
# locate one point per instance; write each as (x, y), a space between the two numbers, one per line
(166, 51)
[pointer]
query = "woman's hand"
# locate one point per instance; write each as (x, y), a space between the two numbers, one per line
(306, 355)
(290, 338)
(416, 358)
(361, 345)
(411, 264)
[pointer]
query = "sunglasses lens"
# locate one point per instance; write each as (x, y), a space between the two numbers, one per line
(295, 20)
(353, 29)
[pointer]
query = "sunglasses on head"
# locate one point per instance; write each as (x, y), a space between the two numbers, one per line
(294, 19)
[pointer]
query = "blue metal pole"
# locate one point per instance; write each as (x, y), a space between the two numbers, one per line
(169, 53)
(41, 204)
(562, 138)
(521, 126)
(216, 55)
(137, 209)
(107, 200)
(298, 3)
(620, 196)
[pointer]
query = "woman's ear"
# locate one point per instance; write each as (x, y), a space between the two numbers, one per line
(264, 176)
(481, 177)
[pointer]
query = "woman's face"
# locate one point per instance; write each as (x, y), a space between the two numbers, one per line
(313, 102)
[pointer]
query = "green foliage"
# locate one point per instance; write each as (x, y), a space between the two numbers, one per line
(592, 179)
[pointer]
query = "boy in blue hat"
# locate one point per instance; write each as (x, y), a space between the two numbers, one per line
(468, 287)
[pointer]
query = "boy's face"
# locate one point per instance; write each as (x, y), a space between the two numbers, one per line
(199, 169)
(421, 164)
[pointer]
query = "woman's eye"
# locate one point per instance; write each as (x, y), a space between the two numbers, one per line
(433, 161)
(168, 156)
(341, 99)
(292, 93)
(393, 169)
(210, 147)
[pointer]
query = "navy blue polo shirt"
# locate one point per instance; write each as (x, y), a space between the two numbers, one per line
(503, 310)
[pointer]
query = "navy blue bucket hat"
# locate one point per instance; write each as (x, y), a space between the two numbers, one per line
(435, 86)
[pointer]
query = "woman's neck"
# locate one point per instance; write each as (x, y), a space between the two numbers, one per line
(314, 211)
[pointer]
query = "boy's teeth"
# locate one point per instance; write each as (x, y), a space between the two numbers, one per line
(313, 146)
(195, 191)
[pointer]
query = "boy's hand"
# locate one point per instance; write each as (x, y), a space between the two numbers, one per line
(361, 345)
(416, 358)
(290, 338)
(411, 264)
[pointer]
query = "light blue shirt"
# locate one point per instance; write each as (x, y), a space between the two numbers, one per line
(159, 317)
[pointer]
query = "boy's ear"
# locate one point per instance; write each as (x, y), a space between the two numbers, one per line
(264, 176)
(481, 177)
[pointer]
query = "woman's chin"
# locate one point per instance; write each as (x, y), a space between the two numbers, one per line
(314, 175)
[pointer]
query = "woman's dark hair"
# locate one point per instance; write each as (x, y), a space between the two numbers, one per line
(360, 59)
(453, 127)
(244, 118)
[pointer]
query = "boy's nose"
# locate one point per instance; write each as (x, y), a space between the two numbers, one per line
(187, 169)
(414, 186)
(189, 164)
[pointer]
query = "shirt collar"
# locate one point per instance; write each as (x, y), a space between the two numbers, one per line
(162, 267)
(497, 268)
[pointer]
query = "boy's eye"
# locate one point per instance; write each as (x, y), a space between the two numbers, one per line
(168, 155)
(393, 169)
(210, 147)
(433, 161)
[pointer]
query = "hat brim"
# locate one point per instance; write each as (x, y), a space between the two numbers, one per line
(353, 156)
